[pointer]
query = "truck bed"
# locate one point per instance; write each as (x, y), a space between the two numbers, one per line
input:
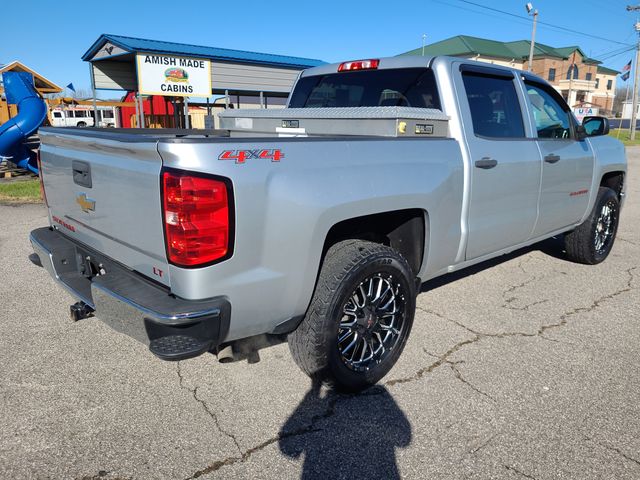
(315, 183)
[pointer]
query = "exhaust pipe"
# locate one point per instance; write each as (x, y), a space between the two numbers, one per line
(248, 348)
(226, 354)
(238, 351)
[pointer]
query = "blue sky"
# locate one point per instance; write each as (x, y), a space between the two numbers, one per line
(51, 37)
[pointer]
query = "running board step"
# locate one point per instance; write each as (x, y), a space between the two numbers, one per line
(178, 347)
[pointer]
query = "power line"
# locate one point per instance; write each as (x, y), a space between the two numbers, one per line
(598, 5)
(559, 27)
(518, 19)
(602, 52)
(614, 53)
(601, 56)
(460, 7)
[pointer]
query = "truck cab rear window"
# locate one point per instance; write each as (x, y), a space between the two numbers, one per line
(405, 87)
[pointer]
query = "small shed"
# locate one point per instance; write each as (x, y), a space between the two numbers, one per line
(159, 112)
(233, 72)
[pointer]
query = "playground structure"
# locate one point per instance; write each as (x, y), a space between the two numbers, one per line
(42, 85)
(23, 110)
(19, 90)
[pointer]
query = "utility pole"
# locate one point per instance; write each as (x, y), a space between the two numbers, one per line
(531, 11)
(634, 103)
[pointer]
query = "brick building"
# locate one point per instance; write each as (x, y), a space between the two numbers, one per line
(592, 83)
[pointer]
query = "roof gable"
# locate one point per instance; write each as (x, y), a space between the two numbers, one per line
(42, 84)
(134, 45)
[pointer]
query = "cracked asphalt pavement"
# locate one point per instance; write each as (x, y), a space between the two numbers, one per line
(524, 367)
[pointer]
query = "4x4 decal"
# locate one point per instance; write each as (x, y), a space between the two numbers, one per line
(241, 156)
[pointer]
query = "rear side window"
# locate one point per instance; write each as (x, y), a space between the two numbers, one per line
(402, 87)
(494, 106)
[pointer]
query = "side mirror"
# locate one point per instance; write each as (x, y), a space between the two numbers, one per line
(595, 126)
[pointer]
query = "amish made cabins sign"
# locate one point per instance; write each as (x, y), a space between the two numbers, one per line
(173, 76)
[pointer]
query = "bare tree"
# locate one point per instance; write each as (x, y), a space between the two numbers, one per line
(79, 94)
(618, 100)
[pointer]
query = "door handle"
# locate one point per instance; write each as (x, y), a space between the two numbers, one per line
(551, 158)
(486, 163)
(81, 173)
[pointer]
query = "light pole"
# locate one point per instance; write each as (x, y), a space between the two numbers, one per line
(534, 13)
(634, 102)
(424, 38)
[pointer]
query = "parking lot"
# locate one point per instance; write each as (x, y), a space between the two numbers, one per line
(526, 367)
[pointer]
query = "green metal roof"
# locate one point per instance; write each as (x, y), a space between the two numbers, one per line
(609, 71)
(521, 49)
(465, 45)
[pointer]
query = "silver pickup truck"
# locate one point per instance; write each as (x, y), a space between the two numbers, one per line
(379, 175)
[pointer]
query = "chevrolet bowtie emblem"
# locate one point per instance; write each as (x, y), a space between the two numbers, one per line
(86, 204)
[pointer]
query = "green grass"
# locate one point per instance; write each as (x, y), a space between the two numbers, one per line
(624, 136)
(20, 191)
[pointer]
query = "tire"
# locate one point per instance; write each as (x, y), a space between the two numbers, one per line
(351, 303)
(81, 124)
(591, 242)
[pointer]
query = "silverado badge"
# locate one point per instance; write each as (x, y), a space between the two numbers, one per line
(86, 204)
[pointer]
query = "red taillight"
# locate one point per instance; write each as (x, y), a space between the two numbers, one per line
(196, 218)
(43, 194)
(371, 64)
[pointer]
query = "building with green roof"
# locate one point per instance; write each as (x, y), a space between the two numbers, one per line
(580, 79)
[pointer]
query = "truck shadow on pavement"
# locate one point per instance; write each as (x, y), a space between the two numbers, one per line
(553, 247)
(346, 436)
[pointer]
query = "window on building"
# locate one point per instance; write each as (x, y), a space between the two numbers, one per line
(551, 115)
(597, 83)
(609, 84)
(494, 106)
(574, 69)
(552, 74)
(588, 77)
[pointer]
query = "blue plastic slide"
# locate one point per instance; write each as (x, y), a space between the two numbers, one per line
(32, 110)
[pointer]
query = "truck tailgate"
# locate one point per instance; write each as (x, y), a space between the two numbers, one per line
(106, 195)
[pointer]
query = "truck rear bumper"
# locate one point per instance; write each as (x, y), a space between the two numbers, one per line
(173, 328)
